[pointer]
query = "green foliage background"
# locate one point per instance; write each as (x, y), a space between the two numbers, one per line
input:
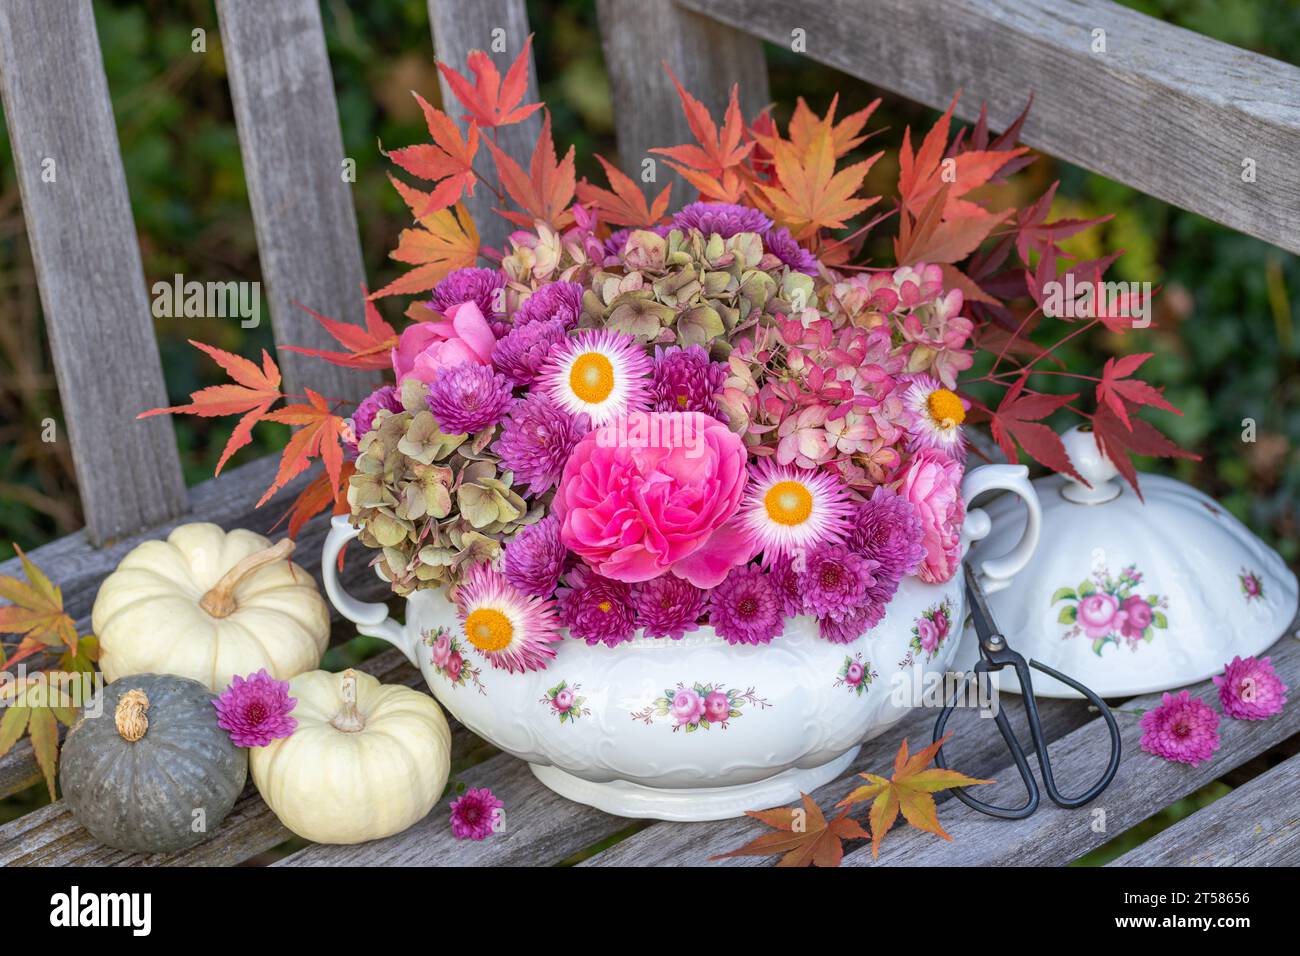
(1226, 347)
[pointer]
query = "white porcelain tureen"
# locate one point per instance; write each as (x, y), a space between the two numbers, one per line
(626, 729)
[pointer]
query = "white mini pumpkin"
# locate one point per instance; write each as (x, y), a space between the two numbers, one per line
(207, 604)
(366, 761)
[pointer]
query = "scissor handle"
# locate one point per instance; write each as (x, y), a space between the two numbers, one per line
(1112, 765)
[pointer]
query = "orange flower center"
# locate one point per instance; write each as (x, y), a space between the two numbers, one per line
(488, 629)
(788, 503)
(945, 408)
(592, 377)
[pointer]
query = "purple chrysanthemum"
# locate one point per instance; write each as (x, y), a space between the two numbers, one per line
(781, 244)
(522, 352)
(668, 606)
(852, 625)
(685, 380)
(255, 710)
(534, 558)
(887, 529)
(559, 300)
(474, 814)
(536, 440)
(1250, 689)
(785, 582)
(596, 609)
(723, 218)
(480, 286)
(363, 419)
(835, 580)
(467, 398)
(1182, 728)
(744, 608)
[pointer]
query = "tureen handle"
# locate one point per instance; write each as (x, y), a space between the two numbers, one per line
(996, 572)
(371, 618)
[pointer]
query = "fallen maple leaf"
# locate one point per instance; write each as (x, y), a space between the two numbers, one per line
(803, 836)
(36, 612)
(907, 791)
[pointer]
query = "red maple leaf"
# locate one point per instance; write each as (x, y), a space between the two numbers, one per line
(320, 493)
(545, 191)
(626, 205)
(1118, 439)
(448, 160)
(1018, 419)
(1116, 387)
(714, 164)
(367, 348)
(489, 101)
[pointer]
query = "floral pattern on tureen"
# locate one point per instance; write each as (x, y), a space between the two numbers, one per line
(700, 706)
(1110, 610)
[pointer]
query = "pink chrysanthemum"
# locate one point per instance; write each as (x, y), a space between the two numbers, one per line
(467, 398)
(534, 558)
(723, 218)
(1182, 728)
(1250, 689)
(512, 630)
(596, 609)
(685, 380)
(483, 287)
(559, 300)
(255, 710)
(835, 580)
(744, 608)
(886, 530)
(474, 814)
(363, 419)
(668, 606)
(536, 440)
(852, 625)
(781, 244)
(520, 355)
(785, 581)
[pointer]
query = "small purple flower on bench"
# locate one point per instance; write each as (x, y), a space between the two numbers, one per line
(255, 710)
(475, 815)
(1183, 729)
(1250, 689)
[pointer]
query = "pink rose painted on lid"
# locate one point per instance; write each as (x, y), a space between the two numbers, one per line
(1097, 613)
(1138, 615)
(687, 706)
(1111, 610)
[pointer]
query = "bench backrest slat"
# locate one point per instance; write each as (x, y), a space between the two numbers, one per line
(292, 148)
(638, 38)
(87, 258)
(1165, 110)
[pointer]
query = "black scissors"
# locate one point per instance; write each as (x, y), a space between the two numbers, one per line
(995, 655)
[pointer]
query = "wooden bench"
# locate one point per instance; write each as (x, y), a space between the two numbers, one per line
(1169, 112)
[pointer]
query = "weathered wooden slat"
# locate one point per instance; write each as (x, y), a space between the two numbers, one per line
(691, 844)
(292, 148)
(1256, 825)
(1144, 785)
(639, 37)
(1167, 111)
(51, 837)
(499, 28)
(88, 265)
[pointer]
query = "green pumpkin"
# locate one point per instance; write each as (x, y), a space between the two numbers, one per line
(138, 774)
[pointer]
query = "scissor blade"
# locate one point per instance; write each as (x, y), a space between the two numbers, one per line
(981, 616)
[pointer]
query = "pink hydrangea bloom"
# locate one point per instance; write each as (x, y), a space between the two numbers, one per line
(653, 493)
(474, 813)
(1182, 729)
(255, 710)
(1250, 689)
(932, 483)
(425, 347)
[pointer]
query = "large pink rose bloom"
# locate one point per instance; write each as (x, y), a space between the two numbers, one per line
(635, 509)
(424, 348)
(932, 483)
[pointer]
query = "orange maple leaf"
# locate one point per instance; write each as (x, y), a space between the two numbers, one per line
(716, 165)
(321, 493)
(488, 100)
(367, 348)
(257, 390)
(36, 612)
(438, 244)
(318, 435)
(805, 124)
(907, 791)
(809, 194)
(626, 205)
(545, 191)
(447, 161)
(803, 835)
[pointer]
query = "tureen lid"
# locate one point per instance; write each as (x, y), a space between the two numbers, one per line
(1131, 597)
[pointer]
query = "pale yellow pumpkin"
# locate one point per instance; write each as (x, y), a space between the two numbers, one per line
(209, 605)
(366, 761)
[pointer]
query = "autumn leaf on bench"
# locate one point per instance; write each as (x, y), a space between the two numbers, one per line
(803, 836)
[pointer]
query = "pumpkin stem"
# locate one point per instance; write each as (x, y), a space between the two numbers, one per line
(130, 716)
(220, 601)
(349, 719)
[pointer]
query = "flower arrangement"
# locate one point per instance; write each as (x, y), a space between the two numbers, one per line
(630, 420)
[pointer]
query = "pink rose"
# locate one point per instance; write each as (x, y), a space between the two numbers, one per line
(653, 492)
(716, 707)
(442, 650)
(929, 635)
(454, 664)
(563, 700)
(854, 675)
(1097, 614)
(932, 483)
(687, 707)
(1137, 617)
(464, 336)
